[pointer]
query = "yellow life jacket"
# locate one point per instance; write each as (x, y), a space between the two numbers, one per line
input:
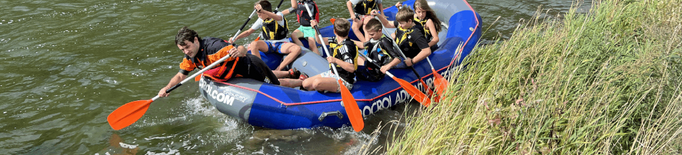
(344, 51)
(273, 31)
(421, 24)
(365, 7)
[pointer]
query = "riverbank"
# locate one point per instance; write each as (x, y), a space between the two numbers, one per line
(607, 81)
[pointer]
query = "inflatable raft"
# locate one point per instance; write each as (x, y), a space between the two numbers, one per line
(272, 106)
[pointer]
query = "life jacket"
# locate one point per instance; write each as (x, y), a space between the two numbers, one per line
(365, 7)
(347, 51)
(221, 72)
(302, 13)
(421, 24)
(381, 52)
(273, 31)
(403, 38)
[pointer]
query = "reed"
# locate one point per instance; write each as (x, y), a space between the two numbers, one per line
(606, 81)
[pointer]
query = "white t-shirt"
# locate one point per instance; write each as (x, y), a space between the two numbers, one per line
(259, 23)
(356, 2)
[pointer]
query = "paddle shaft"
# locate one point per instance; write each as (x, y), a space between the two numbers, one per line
(375, 63)
(196, 74)
(319, 35)
(247, 21)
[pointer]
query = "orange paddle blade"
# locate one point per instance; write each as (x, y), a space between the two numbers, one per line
(352, 109)
(128, 114)
(414, 92)
(197, 78)
(439, 83)
(332, 20)
(426, 86)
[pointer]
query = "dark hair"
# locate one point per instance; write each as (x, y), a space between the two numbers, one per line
(265, 4)
(429, 12)
(185, 34)
(404, 15)
(373, 25)
(342, 27)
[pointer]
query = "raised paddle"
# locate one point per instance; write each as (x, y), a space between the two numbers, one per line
(347, 98)
(130, 112)
(249, 19)
(413, 91)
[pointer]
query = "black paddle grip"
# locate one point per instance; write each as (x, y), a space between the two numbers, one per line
(173, 88)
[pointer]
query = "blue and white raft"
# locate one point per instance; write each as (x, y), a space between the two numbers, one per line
(272, 106)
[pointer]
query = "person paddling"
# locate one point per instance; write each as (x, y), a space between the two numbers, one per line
(200, 53)
(275, 30)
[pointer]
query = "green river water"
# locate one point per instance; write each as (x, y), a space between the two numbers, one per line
(67, 64)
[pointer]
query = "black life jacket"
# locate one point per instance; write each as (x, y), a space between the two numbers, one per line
(421, 24)
(273, 31)
(365, 7)
(346, 50)
(381, 52)
(208, 46)
(302, 13)
(403, 38)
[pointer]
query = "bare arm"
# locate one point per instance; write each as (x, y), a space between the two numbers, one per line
(242, 35)
(388, 66)
(381, 9)
(384, 21)
(345, 65)
(356, 31)
(173, 81)
(349, 5)
(268, 14)
(313, 23)
(422, 55)
(434, 33)
(294, 5)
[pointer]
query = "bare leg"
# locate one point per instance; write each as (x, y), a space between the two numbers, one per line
(295, 35)
(320, 83)
(290, 82)
(257, 46)
(313, 45)
(292, 50)
(282, 74)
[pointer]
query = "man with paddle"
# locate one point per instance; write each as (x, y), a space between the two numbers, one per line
(216, 58)
(202, 52)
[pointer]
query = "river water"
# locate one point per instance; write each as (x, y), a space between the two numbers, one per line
(67, 64)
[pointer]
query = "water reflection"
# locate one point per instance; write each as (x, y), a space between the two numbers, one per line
(118, 147)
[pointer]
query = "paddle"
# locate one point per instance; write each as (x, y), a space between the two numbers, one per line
(347, 98)
(413, 91)
(247, 21)
(411, 67)
(439, 82)
(129, 113)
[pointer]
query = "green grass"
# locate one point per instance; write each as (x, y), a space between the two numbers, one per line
(607, 82)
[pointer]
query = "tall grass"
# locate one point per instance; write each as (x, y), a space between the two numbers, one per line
(607, 82)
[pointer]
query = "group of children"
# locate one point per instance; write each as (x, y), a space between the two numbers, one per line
(416, 37)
